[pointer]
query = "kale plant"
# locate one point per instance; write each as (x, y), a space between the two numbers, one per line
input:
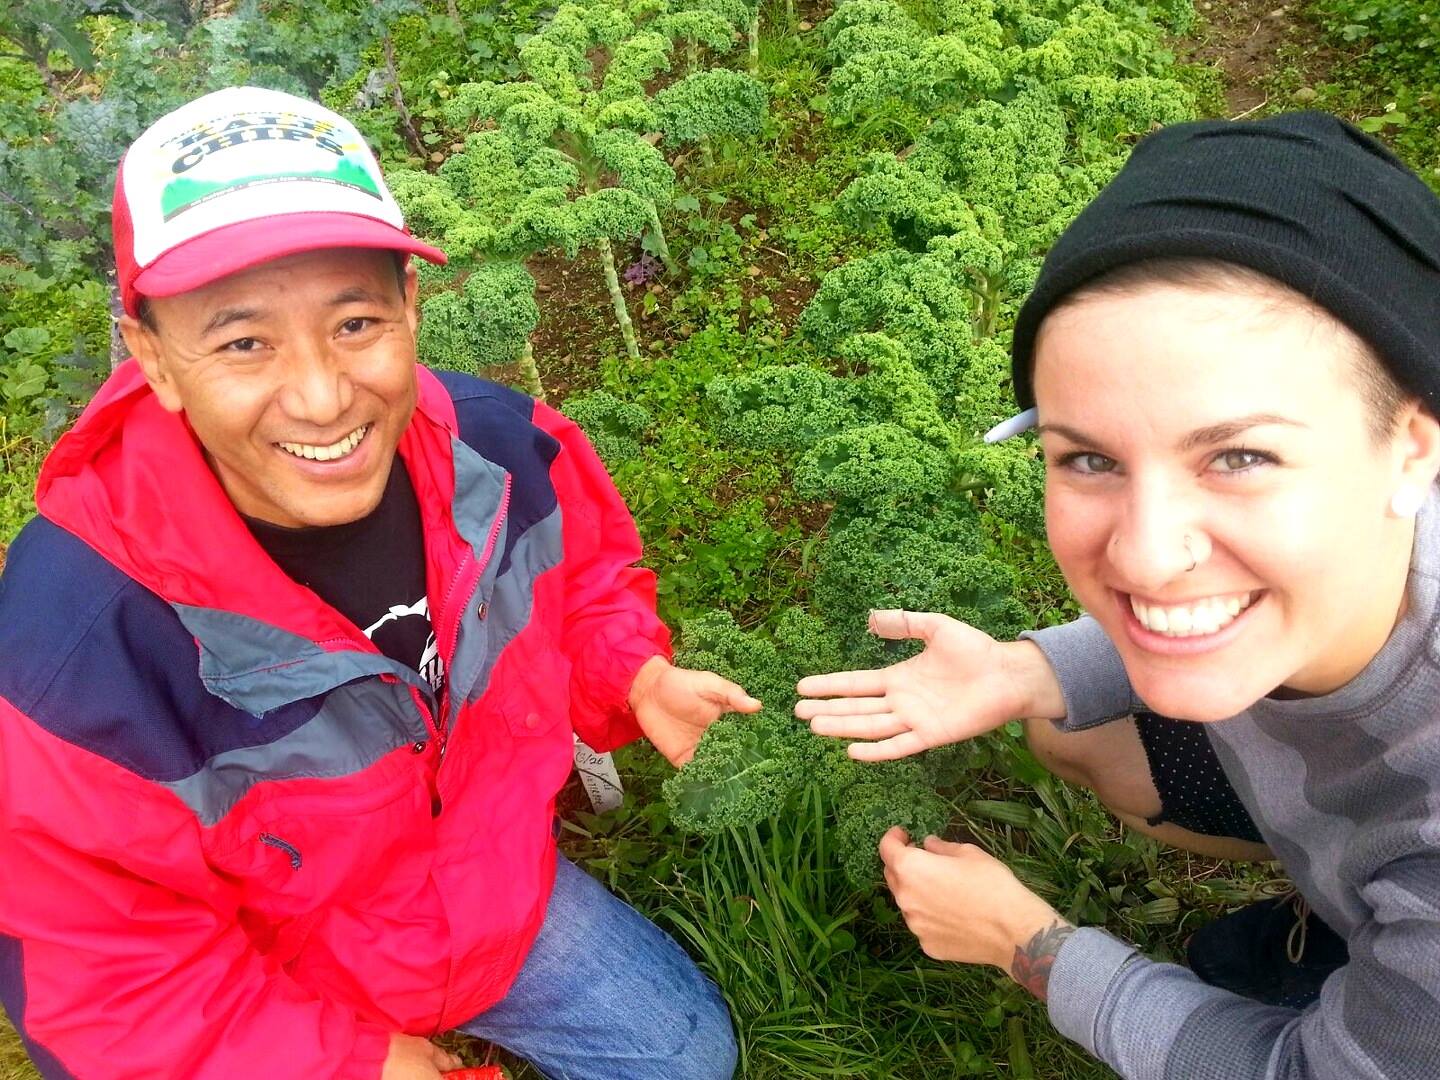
(613, 426)
(585, 111)
(748, 769)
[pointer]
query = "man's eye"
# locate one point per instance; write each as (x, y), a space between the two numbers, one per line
(242, 345)
(1088, 463)
(357, 324)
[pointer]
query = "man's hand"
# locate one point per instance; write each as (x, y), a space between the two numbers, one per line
(674, 705)
(414, 1058)
(963, 684)
(963, 904)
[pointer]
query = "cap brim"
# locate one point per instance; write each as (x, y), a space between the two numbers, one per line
(237, 247)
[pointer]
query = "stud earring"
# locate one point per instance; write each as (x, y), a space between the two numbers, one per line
(1406, 501)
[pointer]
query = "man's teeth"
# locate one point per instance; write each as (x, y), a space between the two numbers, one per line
(1192, 620)
(326, 453)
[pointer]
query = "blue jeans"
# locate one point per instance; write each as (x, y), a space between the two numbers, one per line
(605, 994)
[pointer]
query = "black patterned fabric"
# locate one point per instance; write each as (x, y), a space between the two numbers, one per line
(1194, 792)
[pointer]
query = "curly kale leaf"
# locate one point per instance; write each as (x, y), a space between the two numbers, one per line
(869, 810)
(709, 104)
(614, 427)
(781, 408)
(487, 321)
(1014, 481)
(874, 463)
(745, 769)
(922, 556)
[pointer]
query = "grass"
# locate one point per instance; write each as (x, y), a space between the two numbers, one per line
(14, 1063)
(20, 457)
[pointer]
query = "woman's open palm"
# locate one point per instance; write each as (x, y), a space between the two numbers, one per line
(963, 684)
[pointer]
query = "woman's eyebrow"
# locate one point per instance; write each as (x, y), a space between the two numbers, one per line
(1068, 432)
(1228, 429)
(1205, 436)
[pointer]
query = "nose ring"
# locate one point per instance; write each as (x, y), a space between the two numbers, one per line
(1189, 552)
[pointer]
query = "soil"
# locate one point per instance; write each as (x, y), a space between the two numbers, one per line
(577, 323)
(1248, 41)
(772, 270)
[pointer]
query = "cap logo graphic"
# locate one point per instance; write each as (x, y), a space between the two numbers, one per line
(201, 164)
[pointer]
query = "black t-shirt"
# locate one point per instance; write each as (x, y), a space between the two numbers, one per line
(372, 571)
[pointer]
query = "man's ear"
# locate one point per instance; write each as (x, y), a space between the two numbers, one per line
(144, 346)
(1417, 444)
(412, 289)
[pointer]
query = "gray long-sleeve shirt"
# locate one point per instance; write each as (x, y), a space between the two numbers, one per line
(1345, 789)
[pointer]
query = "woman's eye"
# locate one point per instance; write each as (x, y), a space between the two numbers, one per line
(1234, 461)
(1089, 463)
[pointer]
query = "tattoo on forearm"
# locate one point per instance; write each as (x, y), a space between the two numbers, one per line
(1033, 960)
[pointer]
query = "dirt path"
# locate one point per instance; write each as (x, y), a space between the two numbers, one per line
(1251, 42)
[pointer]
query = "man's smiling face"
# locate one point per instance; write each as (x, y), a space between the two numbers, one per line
(297, 377)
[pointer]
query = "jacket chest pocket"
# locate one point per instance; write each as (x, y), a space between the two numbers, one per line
(298, 851)
(532, 688)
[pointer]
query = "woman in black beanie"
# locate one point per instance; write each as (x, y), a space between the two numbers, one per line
(1233, 357)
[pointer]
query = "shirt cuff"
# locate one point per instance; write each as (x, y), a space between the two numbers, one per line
(1090, 672)
(1081, 977)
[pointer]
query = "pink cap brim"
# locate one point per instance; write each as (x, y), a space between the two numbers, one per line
(232, 248)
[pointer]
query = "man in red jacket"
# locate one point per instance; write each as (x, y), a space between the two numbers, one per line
(294, 655)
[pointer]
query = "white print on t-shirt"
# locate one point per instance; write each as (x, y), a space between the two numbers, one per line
(432, 668)
(421, 607)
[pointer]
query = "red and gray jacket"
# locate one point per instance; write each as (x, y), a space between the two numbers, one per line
(235, 839)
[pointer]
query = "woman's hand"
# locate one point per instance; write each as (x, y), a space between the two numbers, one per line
(675, 705)
(963, 684)
(965, 905)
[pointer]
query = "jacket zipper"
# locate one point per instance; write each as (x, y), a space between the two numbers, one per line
(474, 571)
(452, 639)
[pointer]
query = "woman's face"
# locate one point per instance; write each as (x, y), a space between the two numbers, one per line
(1225, 430)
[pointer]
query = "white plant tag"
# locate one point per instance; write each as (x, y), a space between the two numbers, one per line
(598, 774)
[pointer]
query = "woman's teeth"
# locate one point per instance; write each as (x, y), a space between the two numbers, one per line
(332, 452)
(1192, 620)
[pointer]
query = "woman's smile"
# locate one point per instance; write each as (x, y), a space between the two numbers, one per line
(1197, 618)
(1200, 626)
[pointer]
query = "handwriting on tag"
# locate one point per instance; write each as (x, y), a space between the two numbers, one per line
(599, 777)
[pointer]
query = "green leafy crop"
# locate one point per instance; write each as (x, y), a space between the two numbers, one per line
(782, 408)
(923, 556)
(747, 769)
(566, 158)
(614, 427)
(873, 462)
(1013, 478)
(486, 321)
(710, 104)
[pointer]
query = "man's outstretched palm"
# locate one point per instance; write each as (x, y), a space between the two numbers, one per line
(963, 684)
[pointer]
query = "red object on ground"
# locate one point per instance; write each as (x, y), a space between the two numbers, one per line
(482, 1072)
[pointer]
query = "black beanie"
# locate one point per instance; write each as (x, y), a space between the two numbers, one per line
(1303, 198)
